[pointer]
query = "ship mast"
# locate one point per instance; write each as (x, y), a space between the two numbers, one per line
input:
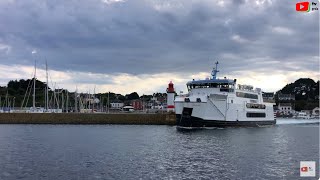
(215, 71)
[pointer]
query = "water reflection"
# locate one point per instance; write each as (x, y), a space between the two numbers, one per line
(154, 152)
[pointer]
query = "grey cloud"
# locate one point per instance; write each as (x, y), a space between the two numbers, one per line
(133, 37)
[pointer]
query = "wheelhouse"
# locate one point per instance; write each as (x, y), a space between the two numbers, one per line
(225, 85)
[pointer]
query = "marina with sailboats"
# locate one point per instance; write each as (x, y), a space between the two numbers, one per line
(55, 100)
(59, 106)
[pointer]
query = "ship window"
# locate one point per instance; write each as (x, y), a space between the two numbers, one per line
(198, 100)
(256, 106)
(214, 85)
(246, 95)
(231, 101)
(186, 100)
(257, 115)
(226, 88)
(223, 89)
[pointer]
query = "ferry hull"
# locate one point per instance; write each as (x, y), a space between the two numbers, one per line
(191, 121)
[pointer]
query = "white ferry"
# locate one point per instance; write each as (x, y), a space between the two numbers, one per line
(222, 103)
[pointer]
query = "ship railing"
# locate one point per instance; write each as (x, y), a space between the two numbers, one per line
(247, 90)
(183, 95)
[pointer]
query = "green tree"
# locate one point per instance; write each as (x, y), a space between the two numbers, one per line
(132, 96)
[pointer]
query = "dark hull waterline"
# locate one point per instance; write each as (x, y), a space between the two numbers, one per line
(194, 122)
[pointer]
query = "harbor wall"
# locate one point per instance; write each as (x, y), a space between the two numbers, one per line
(77, 118)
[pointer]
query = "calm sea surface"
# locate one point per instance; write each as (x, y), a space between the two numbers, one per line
(156, 152)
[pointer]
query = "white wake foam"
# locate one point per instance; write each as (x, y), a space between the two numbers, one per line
(297, 121)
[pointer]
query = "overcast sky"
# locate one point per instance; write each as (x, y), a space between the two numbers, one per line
(140, 45)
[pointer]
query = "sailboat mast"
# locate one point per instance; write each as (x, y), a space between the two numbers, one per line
(67, 104)
(47, 88)
(108, 102)
(75, 100)
(6, 100)
(94, 93)
(34, 86)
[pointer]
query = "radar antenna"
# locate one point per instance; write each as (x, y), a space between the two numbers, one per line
(215, 71)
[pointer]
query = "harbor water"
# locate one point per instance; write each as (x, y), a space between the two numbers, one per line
(156, 152)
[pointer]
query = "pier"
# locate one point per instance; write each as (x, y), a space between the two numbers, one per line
(87, 118)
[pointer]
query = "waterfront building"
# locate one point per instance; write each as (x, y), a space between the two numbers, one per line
(285, 108)
(286, 97)
(268, 97)
(116, 104)
(137, 104)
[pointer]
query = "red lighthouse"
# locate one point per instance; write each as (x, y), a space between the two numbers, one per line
(170, 97)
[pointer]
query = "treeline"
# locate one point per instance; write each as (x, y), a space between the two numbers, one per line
(16, 91)
(21, 92)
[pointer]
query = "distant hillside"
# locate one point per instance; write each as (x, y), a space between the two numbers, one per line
(303, 88)
(306, 92)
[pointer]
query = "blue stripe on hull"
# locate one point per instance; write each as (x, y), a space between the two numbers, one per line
(190, 121)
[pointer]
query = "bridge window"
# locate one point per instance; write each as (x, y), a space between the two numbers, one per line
(226, 87)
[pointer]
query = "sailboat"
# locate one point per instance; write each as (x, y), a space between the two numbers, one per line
(35, 109)
(32, 87)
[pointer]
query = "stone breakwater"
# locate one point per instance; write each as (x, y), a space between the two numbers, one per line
(77, 118)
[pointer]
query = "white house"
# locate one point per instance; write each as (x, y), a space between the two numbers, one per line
(116, 105)
(285, 108)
